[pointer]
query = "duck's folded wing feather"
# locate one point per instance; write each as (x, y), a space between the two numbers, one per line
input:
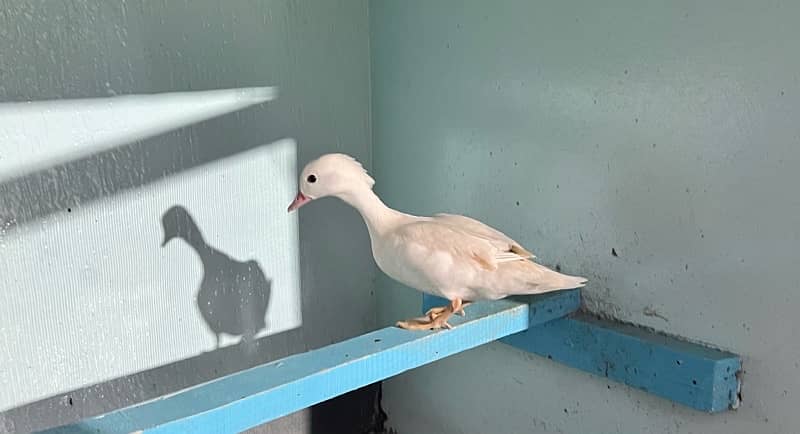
(463, 246)
(513, 252)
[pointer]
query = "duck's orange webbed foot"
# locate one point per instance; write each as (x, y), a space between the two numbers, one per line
(435, 318)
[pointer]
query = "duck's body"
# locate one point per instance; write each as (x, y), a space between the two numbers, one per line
(451, 256)
(442, 255)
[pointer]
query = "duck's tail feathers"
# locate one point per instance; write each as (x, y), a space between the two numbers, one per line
(537, 279)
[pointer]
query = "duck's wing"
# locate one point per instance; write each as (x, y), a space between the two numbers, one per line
(422, 243)
(510, 249)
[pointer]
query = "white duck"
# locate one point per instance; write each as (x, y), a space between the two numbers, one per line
(450, 256)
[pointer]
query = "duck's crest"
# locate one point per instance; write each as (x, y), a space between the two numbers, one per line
(347, 162)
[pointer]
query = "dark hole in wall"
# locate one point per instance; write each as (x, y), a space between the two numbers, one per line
(357, 412)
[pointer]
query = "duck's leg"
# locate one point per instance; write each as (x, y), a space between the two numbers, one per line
(459, 305)
(435, 318)
(459, 310)
(435, 311)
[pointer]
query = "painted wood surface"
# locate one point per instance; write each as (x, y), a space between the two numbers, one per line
(694, 375)
(250, 398)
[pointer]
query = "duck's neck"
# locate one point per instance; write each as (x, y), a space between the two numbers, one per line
(378, 217)
(194, 238)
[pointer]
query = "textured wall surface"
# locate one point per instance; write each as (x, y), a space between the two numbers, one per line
(83, 272)
(649, 146)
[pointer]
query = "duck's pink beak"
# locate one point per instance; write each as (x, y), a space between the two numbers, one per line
(299, 200)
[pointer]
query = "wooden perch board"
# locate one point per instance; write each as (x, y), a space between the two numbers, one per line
(249, 398)
(697, 376)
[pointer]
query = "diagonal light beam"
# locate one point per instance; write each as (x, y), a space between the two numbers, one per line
(40, 134)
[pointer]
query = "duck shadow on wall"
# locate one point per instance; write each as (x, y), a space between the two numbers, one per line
(233, 296)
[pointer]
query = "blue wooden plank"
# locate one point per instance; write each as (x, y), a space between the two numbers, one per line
(694, 375)
(249, 398)
(697, 376)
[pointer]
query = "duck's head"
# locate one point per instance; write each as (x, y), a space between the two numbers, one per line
(176, 221)
(337, 175)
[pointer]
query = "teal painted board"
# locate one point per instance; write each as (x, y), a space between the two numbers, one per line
(694, 375)
(250, 398)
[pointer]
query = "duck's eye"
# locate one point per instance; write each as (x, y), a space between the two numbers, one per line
(311, 178)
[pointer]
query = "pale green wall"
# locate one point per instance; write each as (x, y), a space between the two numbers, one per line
(667, 131)
(317, 54)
